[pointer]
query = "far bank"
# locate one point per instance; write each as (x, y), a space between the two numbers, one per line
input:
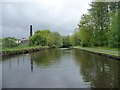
(107, 52)
(22, 50)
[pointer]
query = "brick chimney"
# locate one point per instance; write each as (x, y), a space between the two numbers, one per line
(30, 30)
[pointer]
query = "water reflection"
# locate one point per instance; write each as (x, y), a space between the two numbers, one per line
(31, 65)
(46, 58)
(61, 68)
(98, 71)
(41, 59)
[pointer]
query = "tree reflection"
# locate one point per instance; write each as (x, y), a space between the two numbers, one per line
(46, 58)
(97, 71)
(31, 62)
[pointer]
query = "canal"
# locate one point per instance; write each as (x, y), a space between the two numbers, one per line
(60, 68)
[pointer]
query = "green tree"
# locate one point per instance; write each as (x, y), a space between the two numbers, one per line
(46, 38)
(86, 30)
(99, 27)
(76, 38)
(57, 39)
(67, 41)
(0, 42)
(9, 42)
(112, 34)
(41, 37)
(100, 19)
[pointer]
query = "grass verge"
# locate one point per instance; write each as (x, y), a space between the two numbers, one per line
(103, 50)
(21, 47)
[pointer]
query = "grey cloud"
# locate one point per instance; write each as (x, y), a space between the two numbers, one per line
(59, 16)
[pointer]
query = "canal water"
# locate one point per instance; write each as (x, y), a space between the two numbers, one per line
(60, 68)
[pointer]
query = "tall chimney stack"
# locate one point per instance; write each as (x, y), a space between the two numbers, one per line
(30, 30)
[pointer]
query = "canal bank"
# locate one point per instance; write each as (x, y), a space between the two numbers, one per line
(22, 50)
(111, 53)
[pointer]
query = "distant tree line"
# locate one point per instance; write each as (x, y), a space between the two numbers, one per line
(40, 38)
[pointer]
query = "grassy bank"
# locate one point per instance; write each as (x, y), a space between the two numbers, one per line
(101, 50)
(21, 49)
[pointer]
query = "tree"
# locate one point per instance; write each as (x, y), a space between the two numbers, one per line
(46, 38)
(57, 39)
(41, 37)
(0, 42)
(99, 27)
(112, 34)
(100, 18)
(76, 38)
(67, 41)
(86, 30)
(9, 42)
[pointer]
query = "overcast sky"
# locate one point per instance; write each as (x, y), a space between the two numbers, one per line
(56, 15)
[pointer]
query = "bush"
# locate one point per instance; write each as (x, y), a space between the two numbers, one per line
(9, 42)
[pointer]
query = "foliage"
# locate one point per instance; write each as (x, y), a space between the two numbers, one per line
(57, 38)
(99, 27)
(76, 38)
(9, 42)
(46, 38)
(85, 30)
(0, 42)
(100, 19)
(112, 34)
(67, 41)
